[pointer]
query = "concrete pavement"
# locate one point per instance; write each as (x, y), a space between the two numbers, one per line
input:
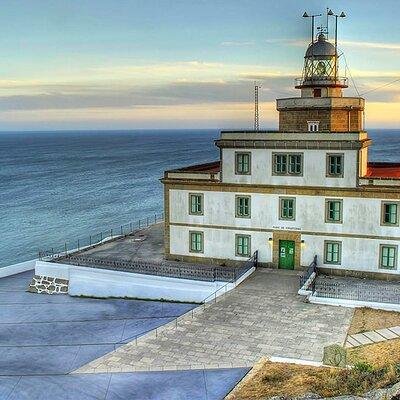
(263, 316)
(44, 337)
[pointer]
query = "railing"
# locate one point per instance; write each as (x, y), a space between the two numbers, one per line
(311, 269)
(357, 291)
(251, 262)
(100, 237)
(172, 269)
(340, 80)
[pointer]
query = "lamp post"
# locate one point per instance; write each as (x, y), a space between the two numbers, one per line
(341, 15)
(305, 15)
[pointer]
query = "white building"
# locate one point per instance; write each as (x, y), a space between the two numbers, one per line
(304, 190)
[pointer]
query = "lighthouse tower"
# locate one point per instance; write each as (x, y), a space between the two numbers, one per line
(322, 106)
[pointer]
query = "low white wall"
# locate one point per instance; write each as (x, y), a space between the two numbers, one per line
(353, 303)
(94, 282)
(54, 270)
(17, 268)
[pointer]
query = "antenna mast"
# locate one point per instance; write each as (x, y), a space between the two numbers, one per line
(256, 113)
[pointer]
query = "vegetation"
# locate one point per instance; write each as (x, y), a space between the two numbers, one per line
(371, 367)
(368, 319)
(277, 379)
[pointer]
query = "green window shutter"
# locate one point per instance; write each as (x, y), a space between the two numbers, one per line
(390, 215)
(196, 206)
(287, 208)
(332, 253)
(335, 165)
(243, 206)
(196, 242)
(280, 161)
(295, 164)
(243, 163)
(334, 210)
(388, 257)
(242, 245)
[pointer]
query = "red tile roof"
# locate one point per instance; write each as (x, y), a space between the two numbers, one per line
(212, 168)
(383, 170)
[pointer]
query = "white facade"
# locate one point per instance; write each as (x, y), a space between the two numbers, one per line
(360, 232)
(314, 171)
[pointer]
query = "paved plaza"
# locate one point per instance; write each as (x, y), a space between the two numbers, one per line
(44, 337)
(263, 316)
(146, 244)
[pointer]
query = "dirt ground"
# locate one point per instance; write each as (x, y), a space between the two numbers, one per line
(368, 319)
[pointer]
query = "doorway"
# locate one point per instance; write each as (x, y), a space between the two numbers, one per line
(286, 254)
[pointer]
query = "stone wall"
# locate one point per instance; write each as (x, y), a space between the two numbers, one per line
(331, 120)
(48, 285)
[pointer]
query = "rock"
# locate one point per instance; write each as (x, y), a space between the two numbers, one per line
(377, 394)
(309, 396)
(335, 356)
(394, 392)
(350, 397)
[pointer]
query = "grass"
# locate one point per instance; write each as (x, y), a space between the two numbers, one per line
(368, 319)
(373, 366)
(378, 354)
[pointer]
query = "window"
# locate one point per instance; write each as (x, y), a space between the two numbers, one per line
(280, 163)
(287, 208)
(243, 206)
(317, 92)
(334, 165)
(243, 245)
(333, 209)
(243, 163)
(333, 252)
(196, 242)
(390, 214)
(287, 164)
(313, 126)
(196, 203)
(388, 256)
(295, 164)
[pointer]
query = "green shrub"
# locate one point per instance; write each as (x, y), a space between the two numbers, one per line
(363, 367)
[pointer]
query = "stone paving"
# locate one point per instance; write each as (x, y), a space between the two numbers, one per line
(370, 337)
(263, 316)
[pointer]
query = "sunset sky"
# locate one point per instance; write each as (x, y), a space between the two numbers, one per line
(130, 64)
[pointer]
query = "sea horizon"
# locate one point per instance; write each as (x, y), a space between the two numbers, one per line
(65, 187)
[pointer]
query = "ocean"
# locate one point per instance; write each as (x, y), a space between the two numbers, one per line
(57, 187)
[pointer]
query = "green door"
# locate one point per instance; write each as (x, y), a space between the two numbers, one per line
(286, 254)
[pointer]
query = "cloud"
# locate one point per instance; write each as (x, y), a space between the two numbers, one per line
(290, 42)
(222, 115)
(371, 45)
(348, 43)
(172, 93)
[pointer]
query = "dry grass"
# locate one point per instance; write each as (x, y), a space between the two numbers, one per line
(375, 366)
(368, 319)
(377, 354)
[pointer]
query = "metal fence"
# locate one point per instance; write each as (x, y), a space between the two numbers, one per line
(172, 269)
(310, 270)
(91, 240)
(360, 291)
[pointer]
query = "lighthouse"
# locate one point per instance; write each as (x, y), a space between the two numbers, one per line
(303, 192)
(322, 107)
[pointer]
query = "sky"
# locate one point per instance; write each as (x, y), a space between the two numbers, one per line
(151, 64)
